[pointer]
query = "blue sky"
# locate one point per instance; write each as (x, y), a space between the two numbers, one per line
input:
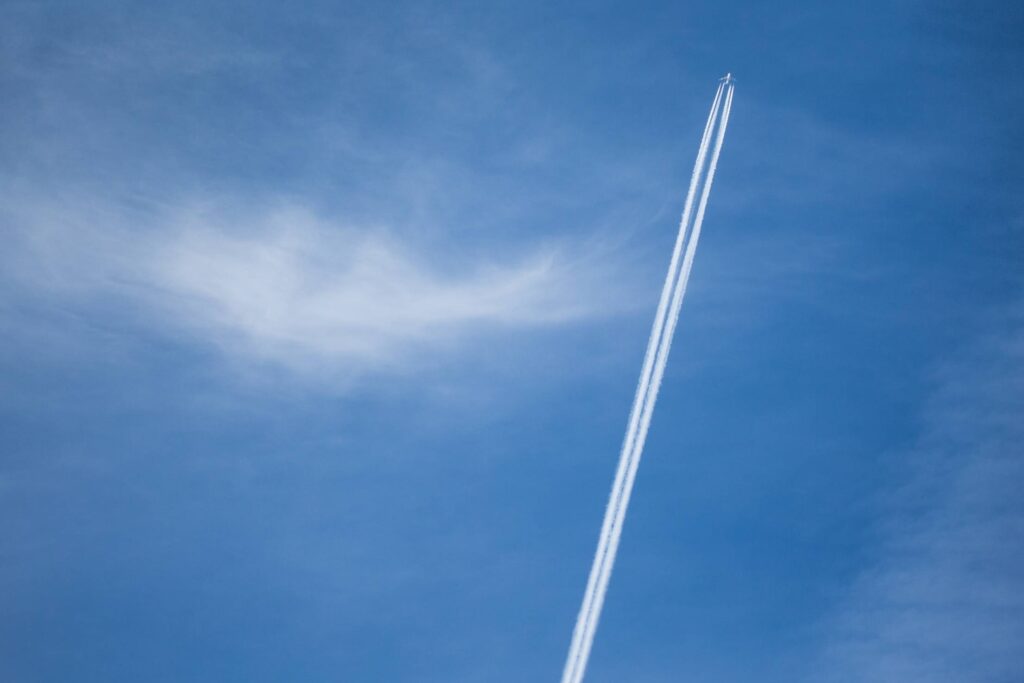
(321, 325)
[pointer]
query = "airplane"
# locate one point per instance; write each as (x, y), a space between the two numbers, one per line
(727, 78)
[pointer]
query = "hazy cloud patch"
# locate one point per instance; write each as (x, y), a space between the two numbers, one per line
(942, 600)
(289, 287)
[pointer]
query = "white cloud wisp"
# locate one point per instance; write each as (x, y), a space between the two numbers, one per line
(288, 287)
(941, 599)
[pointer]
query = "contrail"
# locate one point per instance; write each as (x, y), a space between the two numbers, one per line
(647, 391)
(659, 369)
(638, 401)
(641, 393)
(648, 408)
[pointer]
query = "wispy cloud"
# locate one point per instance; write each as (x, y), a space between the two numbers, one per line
(944, 598)
(38, 49)
(288, 287)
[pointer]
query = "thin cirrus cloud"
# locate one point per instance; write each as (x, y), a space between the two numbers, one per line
(942, 600)
(288, 288)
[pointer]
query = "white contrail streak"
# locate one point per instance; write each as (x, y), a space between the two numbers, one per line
(646, 395)
(638, 401)
(648, 409)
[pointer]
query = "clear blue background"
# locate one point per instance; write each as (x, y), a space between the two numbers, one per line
(830, 488)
